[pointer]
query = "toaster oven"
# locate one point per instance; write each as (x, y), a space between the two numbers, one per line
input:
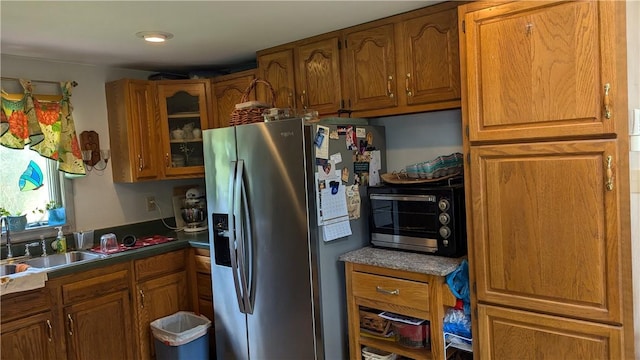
(427, 219)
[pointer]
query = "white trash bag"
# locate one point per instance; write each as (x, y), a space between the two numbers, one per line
(180, 328)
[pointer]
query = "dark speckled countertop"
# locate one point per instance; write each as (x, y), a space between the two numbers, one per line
(402, 260)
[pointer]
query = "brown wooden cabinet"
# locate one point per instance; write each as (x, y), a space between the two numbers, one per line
(27, 329)
(228, 90)
(369, 71)
(133, 131)
(183, 106)
(417, 295)
(151, 128)
(539, 71)
(96, 313)
(202, 290)
(161, 290)
(278, 69)
(318, 73)
(548, 179)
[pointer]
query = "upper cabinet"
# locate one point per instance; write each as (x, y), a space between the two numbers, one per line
(402, 64)
(155, 128)
(318, 74)
(370, 68)
(132, 130)
(560, 58)
(278, 69)
(228, 90)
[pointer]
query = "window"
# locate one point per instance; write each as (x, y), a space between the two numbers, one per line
(16, 164)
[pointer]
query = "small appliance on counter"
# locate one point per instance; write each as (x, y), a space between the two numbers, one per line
(194, 211)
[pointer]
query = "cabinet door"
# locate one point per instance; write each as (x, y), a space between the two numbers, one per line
(184, 113)
(513, 334)
(228, 93)
(100, 328)
(546, 227)
(432, 58)
(29, 338)
(369, 72)
(158, 298)
(318, 75)
(133, 130)
(278, 69)
(540, 70)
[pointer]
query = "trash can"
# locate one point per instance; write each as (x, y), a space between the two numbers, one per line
(181, 336)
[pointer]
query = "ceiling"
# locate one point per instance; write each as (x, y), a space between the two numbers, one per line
(208, 35)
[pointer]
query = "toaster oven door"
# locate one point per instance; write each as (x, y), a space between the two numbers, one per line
(405, 221)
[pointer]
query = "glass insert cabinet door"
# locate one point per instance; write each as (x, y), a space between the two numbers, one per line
(183, 116)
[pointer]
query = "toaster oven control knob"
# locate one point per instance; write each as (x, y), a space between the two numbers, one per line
(445, 232)
(445, 243)
(443, 204)
(444, 218)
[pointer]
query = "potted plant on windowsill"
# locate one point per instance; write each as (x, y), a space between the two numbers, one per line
(16, 221)
(56, 212)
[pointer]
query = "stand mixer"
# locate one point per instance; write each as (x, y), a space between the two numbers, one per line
(194, 211)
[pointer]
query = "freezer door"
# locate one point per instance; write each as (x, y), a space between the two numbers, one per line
(282, 325)
(230, 324)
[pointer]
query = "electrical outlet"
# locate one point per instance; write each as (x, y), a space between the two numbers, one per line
(151, 203)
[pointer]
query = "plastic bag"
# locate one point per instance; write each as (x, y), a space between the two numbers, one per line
(180, 328)
(458, 281)
(457, 322)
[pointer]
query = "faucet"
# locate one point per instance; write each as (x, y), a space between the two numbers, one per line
(5, 221)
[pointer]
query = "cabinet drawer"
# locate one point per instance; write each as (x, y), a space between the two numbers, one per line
(159, 265)
(95, 287)
(391, 290)
(21, 304)
(203, 264)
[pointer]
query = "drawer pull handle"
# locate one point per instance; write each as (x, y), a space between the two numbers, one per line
(388, 292)
(609, 183)
(607, 102)
(70, 324)
(49, 331)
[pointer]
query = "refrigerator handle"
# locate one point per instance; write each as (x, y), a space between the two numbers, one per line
(232, 234)
(246, 269)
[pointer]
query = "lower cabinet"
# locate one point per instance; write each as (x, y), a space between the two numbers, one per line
(29, 338)
(201, 286)
(161, 290)
(417, 295)
(100, 328)
(515, 334)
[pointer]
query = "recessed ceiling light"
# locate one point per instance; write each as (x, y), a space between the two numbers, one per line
(154, 36)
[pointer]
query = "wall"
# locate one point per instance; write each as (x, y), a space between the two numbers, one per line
(98, 202)
(420, 137)
(633, 76)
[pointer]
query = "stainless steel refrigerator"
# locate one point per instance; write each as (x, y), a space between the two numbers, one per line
(278, 287)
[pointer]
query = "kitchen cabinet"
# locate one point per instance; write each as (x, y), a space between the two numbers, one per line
(161, 290)
(278, 69)
(155, 128)
(370, 78)
(318, 73)
(27, 330)
(183, 107)
(547, 178)
(541, 71)
(97, 313)
(228, 91)
(132, 130)
(418, 295)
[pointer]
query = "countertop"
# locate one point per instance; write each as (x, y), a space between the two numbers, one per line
(182, 240)
(403, 260)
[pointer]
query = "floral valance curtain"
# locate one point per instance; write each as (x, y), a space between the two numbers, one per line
(47, 126)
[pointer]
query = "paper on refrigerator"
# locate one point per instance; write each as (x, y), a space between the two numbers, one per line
(332, 207)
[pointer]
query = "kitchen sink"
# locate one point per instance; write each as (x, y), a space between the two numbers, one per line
(57, 260)
(7, 269)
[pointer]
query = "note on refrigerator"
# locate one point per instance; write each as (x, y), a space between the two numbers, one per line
(374, 168)
(336, 230)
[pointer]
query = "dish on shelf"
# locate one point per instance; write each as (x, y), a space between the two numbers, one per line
(402, 178)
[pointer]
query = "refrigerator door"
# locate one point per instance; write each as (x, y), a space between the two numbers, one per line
(230, 323)
(278, 268)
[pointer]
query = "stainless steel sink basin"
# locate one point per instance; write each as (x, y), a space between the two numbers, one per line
(57, 260)
(7, 269)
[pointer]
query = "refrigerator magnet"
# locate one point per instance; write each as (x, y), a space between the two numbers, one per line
(345, 175)
(334, 135)
(361, 132)
(351, 141)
